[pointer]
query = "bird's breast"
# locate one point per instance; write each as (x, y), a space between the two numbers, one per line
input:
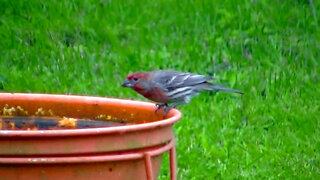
(156, 94)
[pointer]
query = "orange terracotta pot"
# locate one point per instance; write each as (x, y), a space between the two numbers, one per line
(132, 151)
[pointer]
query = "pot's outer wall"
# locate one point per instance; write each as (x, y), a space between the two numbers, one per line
(118, 170)
(114, 153)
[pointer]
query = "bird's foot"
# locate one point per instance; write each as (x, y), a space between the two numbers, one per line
(166, 109)
(159, 106)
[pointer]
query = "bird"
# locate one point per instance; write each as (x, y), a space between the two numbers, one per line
(171, 87)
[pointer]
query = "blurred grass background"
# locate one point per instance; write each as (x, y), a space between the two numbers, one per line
(267, 49)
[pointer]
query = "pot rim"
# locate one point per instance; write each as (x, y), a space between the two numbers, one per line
(174, 116)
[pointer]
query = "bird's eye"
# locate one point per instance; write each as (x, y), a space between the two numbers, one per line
(135, 79)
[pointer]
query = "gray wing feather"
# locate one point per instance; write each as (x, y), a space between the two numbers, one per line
(169, 80)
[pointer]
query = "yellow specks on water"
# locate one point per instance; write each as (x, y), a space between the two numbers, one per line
(50, 112)
(67, 122)
(6, 111)
(12, 125)
(103, 117)
(21, 111)
(100, 117)
(13, 111)
(40, 112)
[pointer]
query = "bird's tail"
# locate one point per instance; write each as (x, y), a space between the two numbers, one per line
(216, 87)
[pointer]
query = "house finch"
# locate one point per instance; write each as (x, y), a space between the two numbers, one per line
(165, 86)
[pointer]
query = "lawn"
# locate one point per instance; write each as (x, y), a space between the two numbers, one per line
(268, 49)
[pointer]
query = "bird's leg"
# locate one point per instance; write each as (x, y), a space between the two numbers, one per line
(166, 109)
(159, 106)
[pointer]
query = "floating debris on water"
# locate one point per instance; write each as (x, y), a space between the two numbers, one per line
(32, 123)
(17, 118)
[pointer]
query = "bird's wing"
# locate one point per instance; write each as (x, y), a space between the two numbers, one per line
(169, 80)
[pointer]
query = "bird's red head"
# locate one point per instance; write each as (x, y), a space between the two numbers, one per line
(137, 76)
(135, 79)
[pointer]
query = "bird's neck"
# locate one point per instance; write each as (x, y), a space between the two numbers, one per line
(141, 88)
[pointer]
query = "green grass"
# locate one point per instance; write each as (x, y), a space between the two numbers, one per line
(267, 49)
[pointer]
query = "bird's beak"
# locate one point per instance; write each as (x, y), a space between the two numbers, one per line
(126, 83)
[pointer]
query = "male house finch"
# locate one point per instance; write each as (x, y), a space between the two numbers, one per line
(166, 86)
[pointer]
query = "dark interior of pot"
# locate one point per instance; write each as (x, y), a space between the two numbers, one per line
(53, 113)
